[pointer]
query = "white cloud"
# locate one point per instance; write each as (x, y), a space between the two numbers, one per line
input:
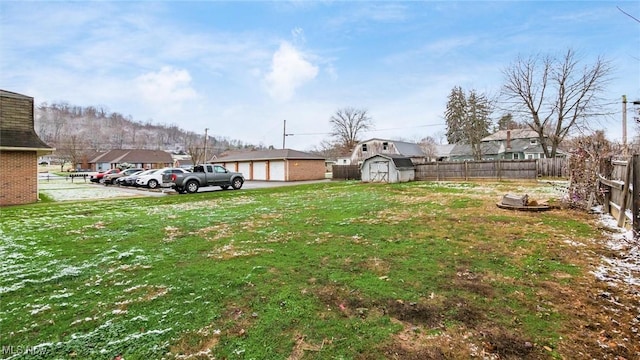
(289, 70)
(167, 89)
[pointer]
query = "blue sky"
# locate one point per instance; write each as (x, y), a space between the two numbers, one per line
(241, 68)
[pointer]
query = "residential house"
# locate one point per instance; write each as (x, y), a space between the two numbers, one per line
(182, 161)
(442, 152)
(146, 159)
(274, 165)
(20, 148)
(505, 145)
(368, 148)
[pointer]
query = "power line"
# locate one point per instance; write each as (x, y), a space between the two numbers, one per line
(373, 130)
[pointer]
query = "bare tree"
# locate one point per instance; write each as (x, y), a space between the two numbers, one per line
(428, 146)
(329, 149)
(73, 149)
(195, 148)
(347, 124)
(555, 95)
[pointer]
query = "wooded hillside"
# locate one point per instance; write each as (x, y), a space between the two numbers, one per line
(75, 131)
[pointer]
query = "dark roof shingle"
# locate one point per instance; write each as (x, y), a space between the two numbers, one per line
(21, 139)
(274, 154)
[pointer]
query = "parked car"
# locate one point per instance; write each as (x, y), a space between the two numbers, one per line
(131, 179)
(204, 175)
(154, 180)
(99, 176)
(110, 179)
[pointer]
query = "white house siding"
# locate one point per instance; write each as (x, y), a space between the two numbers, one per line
(277, 170)
(103, 166)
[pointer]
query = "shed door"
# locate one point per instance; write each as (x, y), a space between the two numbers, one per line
(379, 171)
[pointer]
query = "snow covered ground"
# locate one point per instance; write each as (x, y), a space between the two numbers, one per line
(625, 267)
(63, 189)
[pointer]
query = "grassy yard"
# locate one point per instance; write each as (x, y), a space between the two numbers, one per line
(339, 270)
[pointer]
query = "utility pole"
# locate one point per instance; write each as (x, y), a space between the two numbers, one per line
(284, 134)
(625, 151)
(205, 144)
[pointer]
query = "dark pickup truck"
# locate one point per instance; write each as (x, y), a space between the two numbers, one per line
(204, 175)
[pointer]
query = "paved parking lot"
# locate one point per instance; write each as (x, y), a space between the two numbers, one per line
(65, 189)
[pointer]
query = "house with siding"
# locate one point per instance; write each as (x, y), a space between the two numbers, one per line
(375, 146)
(20, 148)
(140, 158)
(515, 144)
(274, 164)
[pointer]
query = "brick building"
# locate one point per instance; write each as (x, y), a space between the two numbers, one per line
(20, 148)
(275, 165)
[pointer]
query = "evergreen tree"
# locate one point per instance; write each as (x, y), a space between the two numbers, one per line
(477, 123)
(468, 119)
(455, 115)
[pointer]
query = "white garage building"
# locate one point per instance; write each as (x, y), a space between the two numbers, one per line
(274, 165)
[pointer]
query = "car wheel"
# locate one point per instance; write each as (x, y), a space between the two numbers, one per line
(152, 184)
(236, 183)
(224, 187)
(192, 186)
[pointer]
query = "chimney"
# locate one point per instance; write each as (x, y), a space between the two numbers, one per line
(508, 139)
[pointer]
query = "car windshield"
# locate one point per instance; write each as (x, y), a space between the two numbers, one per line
(147, 172)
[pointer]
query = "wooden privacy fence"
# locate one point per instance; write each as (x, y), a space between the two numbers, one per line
(486, 169)
(346, 172)
(556, 167)
(619, 183)
(466, 170)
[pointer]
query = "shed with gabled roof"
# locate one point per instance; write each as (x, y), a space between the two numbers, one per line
(387, 169)
(275, 165)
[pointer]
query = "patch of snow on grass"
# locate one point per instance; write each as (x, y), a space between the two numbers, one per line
(63, 190)
(625, 266)
(39, 308)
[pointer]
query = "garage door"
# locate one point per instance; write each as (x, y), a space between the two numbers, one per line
(276, 171)
(259, 170)
(245, 169)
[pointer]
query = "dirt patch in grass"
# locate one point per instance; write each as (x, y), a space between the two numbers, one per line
(196, 344)
(215, 232)
(301, 345)
(509, 345)
(467, 280)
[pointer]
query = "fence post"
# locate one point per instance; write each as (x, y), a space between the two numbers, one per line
(625, 194)
(636, 195)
